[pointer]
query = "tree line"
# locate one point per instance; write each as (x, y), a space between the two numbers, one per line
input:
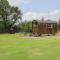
(9, 15)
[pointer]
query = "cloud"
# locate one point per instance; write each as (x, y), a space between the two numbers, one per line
(34, 15)
(55, 12)
(18, 2)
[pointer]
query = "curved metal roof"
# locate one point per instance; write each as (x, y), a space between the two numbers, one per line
(45, 21)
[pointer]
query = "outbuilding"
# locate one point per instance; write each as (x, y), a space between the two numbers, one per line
(44, 27)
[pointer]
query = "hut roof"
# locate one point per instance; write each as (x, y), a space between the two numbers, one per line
(45, 21)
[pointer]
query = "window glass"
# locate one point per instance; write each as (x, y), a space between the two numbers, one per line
(50, 25)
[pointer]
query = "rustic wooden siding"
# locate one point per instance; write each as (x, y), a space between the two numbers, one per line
(41, 28)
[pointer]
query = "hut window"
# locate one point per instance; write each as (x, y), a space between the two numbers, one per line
(50, 25)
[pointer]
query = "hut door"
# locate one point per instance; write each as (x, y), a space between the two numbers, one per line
(42, 28)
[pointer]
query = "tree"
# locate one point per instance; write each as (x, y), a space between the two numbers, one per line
(9, 15)
(4, 6)
(59, 24)
(16, 15)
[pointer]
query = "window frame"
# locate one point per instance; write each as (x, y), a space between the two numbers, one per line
(49, 25)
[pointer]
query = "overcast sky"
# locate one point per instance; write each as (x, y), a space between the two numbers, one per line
(36, 9)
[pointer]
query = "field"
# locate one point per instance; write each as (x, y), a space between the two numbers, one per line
(14, 47)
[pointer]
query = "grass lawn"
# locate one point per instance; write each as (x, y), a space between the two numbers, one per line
(14, 47)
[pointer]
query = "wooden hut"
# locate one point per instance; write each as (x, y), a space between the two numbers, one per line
(44, 27)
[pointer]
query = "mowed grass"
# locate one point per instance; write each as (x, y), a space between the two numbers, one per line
(14, 47)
